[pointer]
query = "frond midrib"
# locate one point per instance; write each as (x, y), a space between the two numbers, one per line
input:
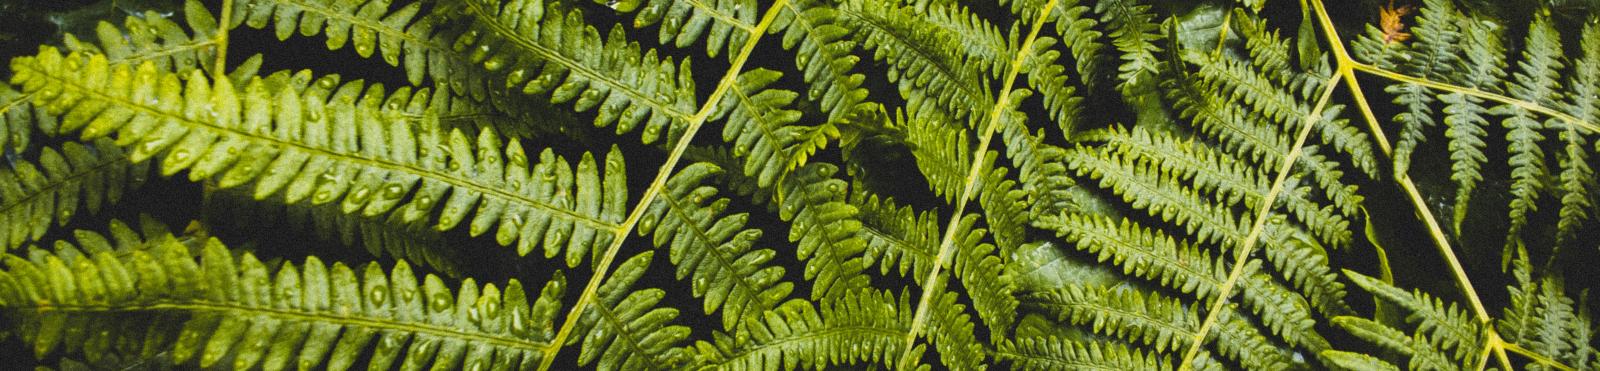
(455, 181)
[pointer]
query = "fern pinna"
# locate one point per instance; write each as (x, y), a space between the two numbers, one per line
(780, 184)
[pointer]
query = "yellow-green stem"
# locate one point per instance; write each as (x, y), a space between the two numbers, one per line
(947, 243)
(222, 41)
(1249, 243)
(621, 233)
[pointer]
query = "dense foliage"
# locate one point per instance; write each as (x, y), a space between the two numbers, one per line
(904, 184)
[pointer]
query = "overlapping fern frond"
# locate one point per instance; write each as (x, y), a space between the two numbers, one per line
(1027, 184)
(342, 151)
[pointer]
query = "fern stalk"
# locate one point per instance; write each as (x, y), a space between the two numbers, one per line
(1257, 228)
(656, 185)
(947, 243)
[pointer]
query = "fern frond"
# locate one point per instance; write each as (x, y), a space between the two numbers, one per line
(943, 151)
(412, 33)
(381, 235)
(1542, 319)
(900, 239)
(546, 48)
(1154, 256)
(1074, 28)
(35, 195)
(157, 39)
(825, 229)
(1433, 55)
(824, 56)
(860, 326)
(326, 142)
(1241, 83)
(1210, 171)
(1042, 172)
(1577, 178)
(1134, 32)
(152, 37)
(1420, 352)
(626, 331)
(921, 57)
(1450, 328)
(1049, 353)
(1342, 360)
(714, 248)
(725, 24)
(765, 132)
(221, 307)
(1465, 115)
(1536, 81)
(1157, 321)
(1232, 126)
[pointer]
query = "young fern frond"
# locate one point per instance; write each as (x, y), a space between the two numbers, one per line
(219, 306)
(59, 183)
(725, 24)
(317, 140)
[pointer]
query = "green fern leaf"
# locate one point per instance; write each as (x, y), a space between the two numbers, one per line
(764, 131)
(33, 196)
(1157, 321)
(1133, 31)
(335, 156)
(1050, 353)
(626, 331)
(724, 24)
(825, 230)
(824, 56)
(1535, 81)
(1342, 360)
(921, 58)
(860, 326)
(714, 248)
(1449, 327)
(224, 307)
(546, 48)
